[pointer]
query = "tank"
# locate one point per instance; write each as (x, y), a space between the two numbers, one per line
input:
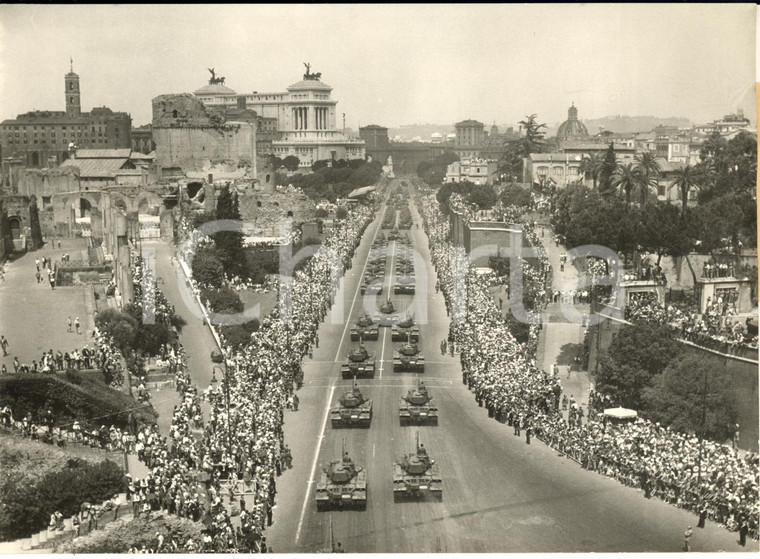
(375, 268)
(404, 286)
(364, 329)
(360, 364)
(405, 329)
(416, 476)
(404, 269)
(408, 359)
(387, 316)
(372, 285)
(353, 410)
(416, 409)
(342, 484)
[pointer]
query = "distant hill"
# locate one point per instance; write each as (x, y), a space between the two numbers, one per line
(618, 123)
(626, 124)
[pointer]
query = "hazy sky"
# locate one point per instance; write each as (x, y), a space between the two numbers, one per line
(393, 65)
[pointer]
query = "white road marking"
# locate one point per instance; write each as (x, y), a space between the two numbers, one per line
(358, 287)
(382, 352)
(385, 330)
(314, 463)
(332, 392)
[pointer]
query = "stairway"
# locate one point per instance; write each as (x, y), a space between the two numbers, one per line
(47, 540)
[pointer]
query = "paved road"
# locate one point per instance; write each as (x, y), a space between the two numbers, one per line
(500, 494)
(33, 316)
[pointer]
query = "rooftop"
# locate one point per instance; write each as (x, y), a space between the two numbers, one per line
(96, 168)
(539, 157)
(469, 122)
(103, 153)
(309, 85)
(216, 89)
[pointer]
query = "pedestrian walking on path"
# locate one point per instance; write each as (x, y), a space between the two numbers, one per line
(77, 325)
(687, 539)
(4, 345)
(68, 323)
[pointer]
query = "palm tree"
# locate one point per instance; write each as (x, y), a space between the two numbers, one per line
(627, 178)
(650, 170)
(534, 138)
(686, 178)
(591, 164)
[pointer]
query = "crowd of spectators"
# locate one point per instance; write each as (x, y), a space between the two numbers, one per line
(714, 326)
(715, 482)
(242, 440)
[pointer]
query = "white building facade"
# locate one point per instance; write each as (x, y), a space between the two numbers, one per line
(305, 116)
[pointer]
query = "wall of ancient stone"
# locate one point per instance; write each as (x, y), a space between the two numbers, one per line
(266, 206)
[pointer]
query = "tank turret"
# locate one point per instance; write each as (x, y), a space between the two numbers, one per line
(405, 329)
(416, 476)
(387, 315)
(360, 363)
(342, 484)
(364, 329)
(415, 408)
(408, 358)
(405, 285)
(353, 410)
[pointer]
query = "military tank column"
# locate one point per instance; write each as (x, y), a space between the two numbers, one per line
(353, 410)
(416, 476)
(364, 329)
(416, 409)
(360, 363)
(387, 316)
(342, 484)
(408, 359)
(405, 329)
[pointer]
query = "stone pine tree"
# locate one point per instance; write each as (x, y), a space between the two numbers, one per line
(229, 242)
(609, 166)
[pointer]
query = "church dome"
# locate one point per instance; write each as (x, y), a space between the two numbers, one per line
(572, 127)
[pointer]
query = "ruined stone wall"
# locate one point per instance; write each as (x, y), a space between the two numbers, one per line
(266, 207)
(190, 136)
(192, 149)
(24, 209)
(46, 182)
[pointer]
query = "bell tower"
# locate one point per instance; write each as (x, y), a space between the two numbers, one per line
(73, 101)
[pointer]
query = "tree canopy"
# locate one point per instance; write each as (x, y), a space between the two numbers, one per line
(691, 387)
(635, 357)
(608, 167)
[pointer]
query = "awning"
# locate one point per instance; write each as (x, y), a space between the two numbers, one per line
(620, 413)
(361, 191)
